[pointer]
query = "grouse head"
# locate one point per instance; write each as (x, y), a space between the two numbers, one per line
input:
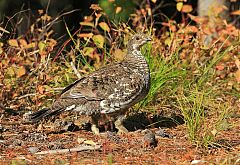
(137, 41)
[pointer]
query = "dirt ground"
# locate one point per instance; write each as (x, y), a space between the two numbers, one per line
(68, 143)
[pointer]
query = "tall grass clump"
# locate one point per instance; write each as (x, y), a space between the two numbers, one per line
(197, 102)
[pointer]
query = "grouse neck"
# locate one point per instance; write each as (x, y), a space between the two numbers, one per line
(137, 60)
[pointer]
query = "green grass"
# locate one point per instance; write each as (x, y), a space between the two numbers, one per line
(195, 94)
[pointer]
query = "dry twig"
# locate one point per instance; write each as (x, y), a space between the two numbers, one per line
(75, 149)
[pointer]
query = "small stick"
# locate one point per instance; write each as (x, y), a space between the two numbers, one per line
(75, 149)
(75, 70)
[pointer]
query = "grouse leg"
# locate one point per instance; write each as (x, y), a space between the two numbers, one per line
(119, 124)
(94, 125)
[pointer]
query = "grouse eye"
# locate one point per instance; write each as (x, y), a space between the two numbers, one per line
(137, 38)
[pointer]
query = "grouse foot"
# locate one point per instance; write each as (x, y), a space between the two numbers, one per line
(119, 125)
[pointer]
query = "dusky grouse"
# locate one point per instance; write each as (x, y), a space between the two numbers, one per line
(110, 91)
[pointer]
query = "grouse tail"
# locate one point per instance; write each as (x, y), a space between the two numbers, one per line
(34, 117)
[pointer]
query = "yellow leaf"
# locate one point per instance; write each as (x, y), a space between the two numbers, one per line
(1, 49)
(214, 132)
(179, 6)
(30, 45)
(10, 72)
(20, 71)
(13, 42)
(87, 51)
(98, 40)
(168, 41)
(90, 142)
(41, 46)
(104, 26)
(87, 24)
(154, 1)
(80, 140)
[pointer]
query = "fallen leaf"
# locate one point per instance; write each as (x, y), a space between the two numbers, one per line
(80, 140)
(90, 142)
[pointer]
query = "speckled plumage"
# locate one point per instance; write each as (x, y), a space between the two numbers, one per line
(110, 90)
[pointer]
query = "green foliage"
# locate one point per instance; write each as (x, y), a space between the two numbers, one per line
(118, 10)
(164, 74)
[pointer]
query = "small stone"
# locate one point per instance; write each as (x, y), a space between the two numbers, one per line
(160, 132)
(33, 150)
(149, 139)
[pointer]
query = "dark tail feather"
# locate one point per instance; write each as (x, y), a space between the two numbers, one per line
(39, 115)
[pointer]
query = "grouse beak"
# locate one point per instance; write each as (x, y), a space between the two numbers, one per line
(148, 39)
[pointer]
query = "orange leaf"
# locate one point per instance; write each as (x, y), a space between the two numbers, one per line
(20, 71)
(187, 8)
(236, 12)
(88, 35)
(95, 7)
(220, 67)
(191, 29)
(40, 89)
(118, 10)
(23, 43)
(237, 75)
(197, 19)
